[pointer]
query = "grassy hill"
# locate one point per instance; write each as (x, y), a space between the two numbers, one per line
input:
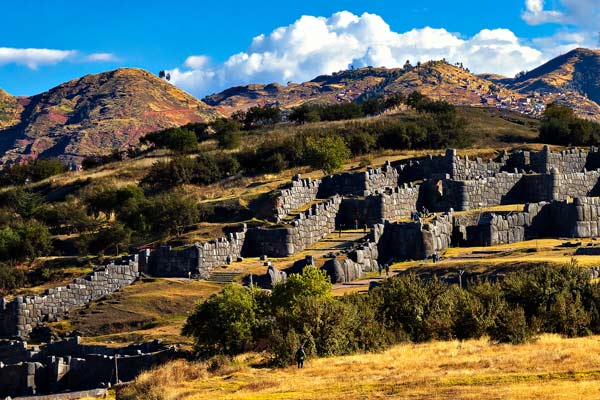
(96, 114)
(551, 368)
(436, 79)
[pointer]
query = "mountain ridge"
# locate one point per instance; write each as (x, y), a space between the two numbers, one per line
(98, 113)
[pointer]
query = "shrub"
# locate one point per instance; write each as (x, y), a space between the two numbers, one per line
(224, 323)
(511, 327)
(34, 171)
(10, 278)
(327, 153)
(561, 126)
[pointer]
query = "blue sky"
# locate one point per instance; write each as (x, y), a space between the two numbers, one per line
(208, 45)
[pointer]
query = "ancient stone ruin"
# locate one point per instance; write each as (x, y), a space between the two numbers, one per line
(68, 365)
(556, 194)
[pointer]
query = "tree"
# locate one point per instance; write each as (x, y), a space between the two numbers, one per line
(313, 282)
(327, 153)
(182, 141)
(161, 74)
(227, 133)
(225, 323)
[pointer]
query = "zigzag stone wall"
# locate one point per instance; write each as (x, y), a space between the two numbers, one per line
(19, 316)
(308, 228)
(300, 192)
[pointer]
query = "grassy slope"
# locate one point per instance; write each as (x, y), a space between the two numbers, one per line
(551, 368)
(149, 309)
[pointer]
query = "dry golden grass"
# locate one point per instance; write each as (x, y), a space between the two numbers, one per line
(551, 368)
(146, 310)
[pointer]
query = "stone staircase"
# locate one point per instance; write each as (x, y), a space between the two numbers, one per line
(223, 276)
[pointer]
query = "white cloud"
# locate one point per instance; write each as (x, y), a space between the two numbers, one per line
(583, 14)
(101, 57)
(535, 14)
(317, 45)
(33, 58)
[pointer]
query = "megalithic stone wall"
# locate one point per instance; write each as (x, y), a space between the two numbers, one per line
(22, 314)
(283, 241)
(199, 259)
(359, 183)
(509, 188)
(544, 161)
(390, 204)
(415, 240)
(300, 191)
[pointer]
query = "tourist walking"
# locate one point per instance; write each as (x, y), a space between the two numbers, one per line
(300, 356)
(387, 270)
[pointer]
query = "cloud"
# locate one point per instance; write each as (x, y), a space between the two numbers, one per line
(312, 46)
(33, 58)
(101, 57)
(535, 14)
(583, 14)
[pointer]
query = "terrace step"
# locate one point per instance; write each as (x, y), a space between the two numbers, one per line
(223, 276)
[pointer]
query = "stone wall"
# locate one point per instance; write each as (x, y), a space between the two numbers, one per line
(357, 263)
(22, 314)
(300, 192)
(450, 164)
(359, 183)
(306, 229)
(69, 366)
(544, 161)
(389, 204)
(415, 240)
(199, 259)
(508, 188)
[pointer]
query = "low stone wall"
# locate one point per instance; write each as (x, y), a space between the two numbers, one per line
(22, 314)
(199, 259)
(358, 262)
(308, 228)
(300, 192)
(359, 183)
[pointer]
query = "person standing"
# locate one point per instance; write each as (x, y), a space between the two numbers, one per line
(387, 270)
(300, 356)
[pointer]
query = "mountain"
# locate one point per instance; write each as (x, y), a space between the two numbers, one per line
(571, 79)
(436, 79)
(10, 110)
(97, 114)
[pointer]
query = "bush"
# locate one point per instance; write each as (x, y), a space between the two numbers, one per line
(34, 171)
(327, 153)
(224, 323)
(561, 126)
(201, 170)
(227, 133)
(10, 278)
(511, 327)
